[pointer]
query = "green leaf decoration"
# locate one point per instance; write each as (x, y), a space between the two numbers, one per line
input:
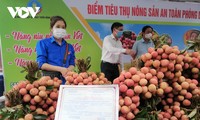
(142, 114)
(33, 71)
(49, 87)
(12, 113)
(40, 117)
(22, 71)
(141, 118)
(139, 37)
(193, 113)
(83, 65)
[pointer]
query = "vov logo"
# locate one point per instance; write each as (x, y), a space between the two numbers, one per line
(23, 12)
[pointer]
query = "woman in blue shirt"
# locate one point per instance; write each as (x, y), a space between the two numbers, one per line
(54, 55)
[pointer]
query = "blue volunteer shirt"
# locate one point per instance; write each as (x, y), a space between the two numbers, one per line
(141, 47)
(49, 51)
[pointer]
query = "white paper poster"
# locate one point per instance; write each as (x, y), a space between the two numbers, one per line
(91, 102)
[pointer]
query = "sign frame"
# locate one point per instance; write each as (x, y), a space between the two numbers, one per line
(62, 98)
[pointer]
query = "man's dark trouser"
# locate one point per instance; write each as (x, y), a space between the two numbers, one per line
(110, 70)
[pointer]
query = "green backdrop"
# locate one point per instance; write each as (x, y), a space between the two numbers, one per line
(19, 36)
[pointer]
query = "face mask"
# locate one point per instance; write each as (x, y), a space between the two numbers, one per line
(59, 33)
(119, 34)
(148, 36)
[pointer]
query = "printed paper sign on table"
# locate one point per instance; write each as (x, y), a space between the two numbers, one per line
(91, 102)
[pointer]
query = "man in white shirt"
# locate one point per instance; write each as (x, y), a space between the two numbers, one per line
(111, 52)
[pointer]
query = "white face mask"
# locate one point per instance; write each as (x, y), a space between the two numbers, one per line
(148, 36)
(59, 33)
